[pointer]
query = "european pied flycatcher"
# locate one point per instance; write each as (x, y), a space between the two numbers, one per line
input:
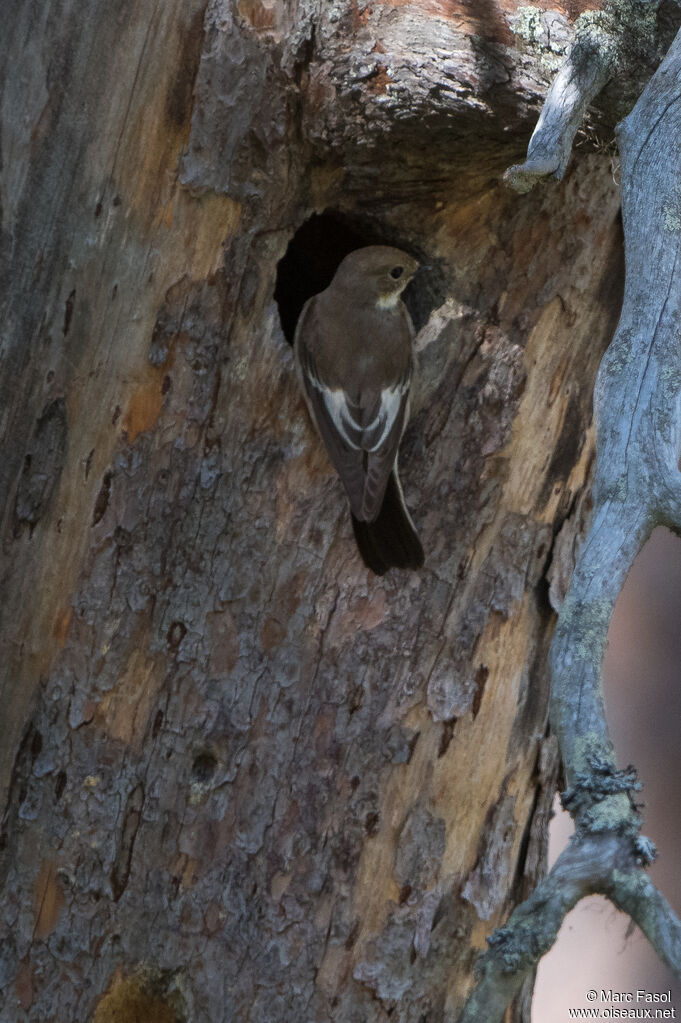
(355, 360)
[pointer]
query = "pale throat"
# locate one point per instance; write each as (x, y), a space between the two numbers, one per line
(388, 301)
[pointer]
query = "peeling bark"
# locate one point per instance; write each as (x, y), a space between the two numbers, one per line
(242, 778)
(636, 487)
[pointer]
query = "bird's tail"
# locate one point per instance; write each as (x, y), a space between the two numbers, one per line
(391, 540)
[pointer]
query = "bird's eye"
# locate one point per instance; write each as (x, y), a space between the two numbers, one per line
(397, 272)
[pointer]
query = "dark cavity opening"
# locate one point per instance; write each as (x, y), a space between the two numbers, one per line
(204, 767)
(317, 249)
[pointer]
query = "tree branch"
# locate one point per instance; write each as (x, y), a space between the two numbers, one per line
(582, 869)
(601, 864)
(584, 73)
(602, 46)
(636, 895)
(637, 486)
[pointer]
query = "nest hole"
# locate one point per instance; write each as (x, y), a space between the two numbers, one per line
(317, 249)
(204, 767)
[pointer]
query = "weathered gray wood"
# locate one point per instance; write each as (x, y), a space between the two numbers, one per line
(242, 779)
(637, 486)
(638, 410)
(617, 42)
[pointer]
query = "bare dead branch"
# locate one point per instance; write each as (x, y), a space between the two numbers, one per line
(583, 868)
(637, 486)
(582, 76)
(636, 895)
(605, 43)
(598, 864)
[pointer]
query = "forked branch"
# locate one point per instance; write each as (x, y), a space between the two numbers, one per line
(637, 486)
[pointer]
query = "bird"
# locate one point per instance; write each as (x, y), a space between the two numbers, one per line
(354, 356)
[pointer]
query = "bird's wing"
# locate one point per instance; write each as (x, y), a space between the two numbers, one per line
(361, 434)
(329, 413)
(382, 453)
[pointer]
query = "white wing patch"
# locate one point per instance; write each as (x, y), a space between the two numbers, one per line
(337, 407)
(374, 434)
(391, 400)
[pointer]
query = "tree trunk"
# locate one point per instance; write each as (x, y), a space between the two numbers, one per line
(244, 778)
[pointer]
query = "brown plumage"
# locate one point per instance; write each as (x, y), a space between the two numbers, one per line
(354, 354)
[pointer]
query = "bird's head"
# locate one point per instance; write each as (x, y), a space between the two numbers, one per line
(380, 273)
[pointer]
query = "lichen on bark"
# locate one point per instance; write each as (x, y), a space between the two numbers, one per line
(230, 787)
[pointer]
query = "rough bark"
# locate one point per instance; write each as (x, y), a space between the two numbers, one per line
(244, 779)
(636, 487)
